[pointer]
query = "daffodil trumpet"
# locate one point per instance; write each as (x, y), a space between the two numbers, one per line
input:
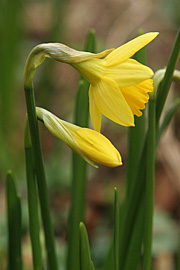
(119, 85)
(89, 144)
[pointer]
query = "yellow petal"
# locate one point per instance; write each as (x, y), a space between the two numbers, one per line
(128, 73)
(127, 50)
(111, 102)
(137, 95)
(97, 147)
(95, 114)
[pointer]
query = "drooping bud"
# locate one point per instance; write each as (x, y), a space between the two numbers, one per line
(89, 144)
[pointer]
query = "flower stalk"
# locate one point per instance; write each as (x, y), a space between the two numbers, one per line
(39, 168)
(32, 200)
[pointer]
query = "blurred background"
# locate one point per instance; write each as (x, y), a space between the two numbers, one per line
(23, 25)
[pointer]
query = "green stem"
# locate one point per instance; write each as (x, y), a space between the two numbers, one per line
(149, 197)
(41, 180)
(32, 202)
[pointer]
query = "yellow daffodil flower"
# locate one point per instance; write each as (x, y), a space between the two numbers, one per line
(119, 85)
(88, 143)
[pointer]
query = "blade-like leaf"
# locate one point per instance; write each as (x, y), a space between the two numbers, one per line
(85, 256)
(167, 118)
(14, 224)
(138, 185)
(116, 230)
(79, 168)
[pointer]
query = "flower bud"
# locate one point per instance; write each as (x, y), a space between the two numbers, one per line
(89, 144)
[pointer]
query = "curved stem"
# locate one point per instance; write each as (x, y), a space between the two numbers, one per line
(40, 175)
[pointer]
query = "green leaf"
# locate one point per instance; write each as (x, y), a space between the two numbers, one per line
(116, 230)
(14, 224)
(149, 191)
(167, 118)
(85, 255)
(163, 88)
(135, 246)
(136, 137)
(138, 185)
(136, 134)
(79, 169)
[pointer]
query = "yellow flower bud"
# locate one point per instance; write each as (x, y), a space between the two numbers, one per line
(89, 144)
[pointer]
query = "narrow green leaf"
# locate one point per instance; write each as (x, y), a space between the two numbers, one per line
(167, 118)
(149, 192)
(14, 224)
(91, 42)
(136, 137)
(116, 230)
(135, 143)
(138, 185)
(82, 104)
(136, 134)
(85, 255)
(165, 85)
(135, 246)
(79, 170)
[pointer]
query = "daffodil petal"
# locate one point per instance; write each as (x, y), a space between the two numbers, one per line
(95, 114)
(97, 147)
(128, 73)
(137, 95)
(111, 102)
(127, 50)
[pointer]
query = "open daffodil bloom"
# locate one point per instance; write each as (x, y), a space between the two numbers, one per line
(89, 144)
(119, 85)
